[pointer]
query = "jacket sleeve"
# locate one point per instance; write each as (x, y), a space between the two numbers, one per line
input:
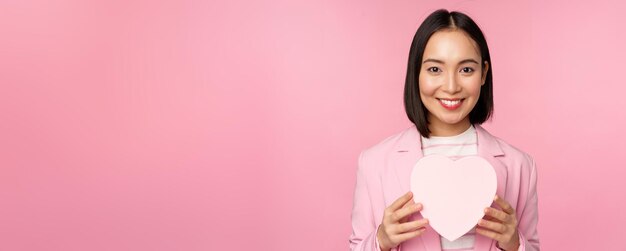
(363, 237)
(364, 228)
(527, 222)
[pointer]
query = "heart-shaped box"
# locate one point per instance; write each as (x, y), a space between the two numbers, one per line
(453, 193)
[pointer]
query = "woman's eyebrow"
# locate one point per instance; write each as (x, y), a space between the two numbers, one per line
(468, 60)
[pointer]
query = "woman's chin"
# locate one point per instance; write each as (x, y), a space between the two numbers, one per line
(451, 121)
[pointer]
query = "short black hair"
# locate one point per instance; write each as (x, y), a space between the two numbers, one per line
(439, 20)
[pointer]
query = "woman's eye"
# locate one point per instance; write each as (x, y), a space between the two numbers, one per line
(469, 70)
(436, 69)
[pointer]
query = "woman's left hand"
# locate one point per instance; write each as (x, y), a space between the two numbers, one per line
(500, 225)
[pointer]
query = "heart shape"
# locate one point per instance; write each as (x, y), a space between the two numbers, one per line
(453, 193)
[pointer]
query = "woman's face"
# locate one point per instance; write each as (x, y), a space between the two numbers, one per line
(450, 77)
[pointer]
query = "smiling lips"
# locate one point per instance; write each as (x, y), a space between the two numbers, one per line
(451, 104)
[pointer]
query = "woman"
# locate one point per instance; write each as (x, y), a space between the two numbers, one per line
(447, 95)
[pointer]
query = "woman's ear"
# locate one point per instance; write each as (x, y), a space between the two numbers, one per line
(485, 69)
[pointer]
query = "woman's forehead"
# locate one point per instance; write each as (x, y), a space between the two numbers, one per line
(451, 46)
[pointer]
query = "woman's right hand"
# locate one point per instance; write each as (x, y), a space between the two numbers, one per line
(394, 228)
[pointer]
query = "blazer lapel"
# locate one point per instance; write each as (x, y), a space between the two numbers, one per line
(408, 151)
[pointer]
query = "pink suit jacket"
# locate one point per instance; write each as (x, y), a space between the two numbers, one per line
(383, 176)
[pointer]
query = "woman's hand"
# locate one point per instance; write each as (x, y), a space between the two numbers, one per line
(394, 228)
(500, 225)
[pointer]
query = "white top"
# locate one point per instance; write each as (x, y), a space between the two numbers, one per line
(455, 147)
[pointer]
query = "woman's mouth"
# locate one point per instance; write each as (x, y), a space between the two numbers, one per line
(451, 104)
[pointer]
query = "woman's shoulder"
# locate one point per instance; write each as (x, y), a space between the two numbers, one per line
(509, 148)
(373, 157)
(513, 153)
(389, 142)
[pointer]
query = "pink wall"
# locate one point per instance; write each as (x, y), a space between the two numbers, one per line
(182, 125)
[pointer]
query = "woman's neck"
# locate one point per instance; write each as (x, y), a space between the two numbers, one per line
(440, 129)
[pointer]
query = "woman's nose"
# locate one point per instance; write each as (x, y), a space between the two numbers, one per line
(452, 84)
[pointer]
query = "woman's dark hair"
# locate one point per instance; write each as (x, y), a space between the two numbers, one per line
(439, 20)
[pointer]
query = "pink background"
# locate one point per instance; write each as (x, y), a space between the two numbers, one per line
(231, 125)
